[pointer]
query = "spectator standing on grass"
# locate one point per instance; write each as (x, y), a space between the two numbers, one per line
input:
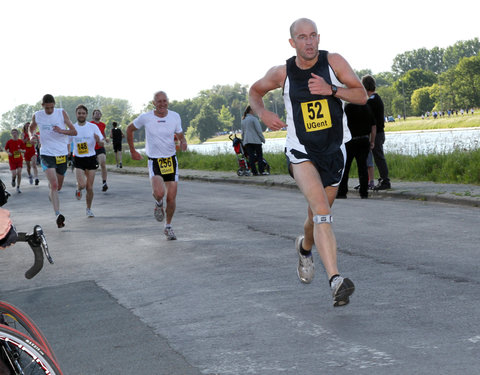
(117, 136)
(376, 105)
(252, 139)
(363, 129)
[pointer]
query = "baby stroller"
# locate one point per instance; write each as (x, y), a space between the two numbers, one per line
(243, 166)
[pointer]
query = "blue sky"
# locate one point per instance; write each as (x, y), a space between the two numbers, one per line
(129, 49)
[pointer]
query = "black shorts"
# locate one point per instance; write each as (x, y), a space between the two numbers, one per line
(86, 162)
(57, 162)
(117, 146)
(167, 168)
(330, 167)
(100, 150)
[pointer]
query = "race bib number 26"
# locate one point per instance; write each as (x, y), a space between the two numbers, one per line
(316, 115)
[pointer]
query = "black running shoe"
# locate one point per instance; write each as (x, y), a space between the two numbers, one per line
(105, 187)
(60, 221)
(342, 290)
(383, 185)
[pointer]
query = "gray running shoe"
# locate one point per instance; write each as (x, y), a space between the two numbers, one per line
(159, 212)
(342, 289)
(170, 234)
(306, 267)
(90, 213)
(30, 179)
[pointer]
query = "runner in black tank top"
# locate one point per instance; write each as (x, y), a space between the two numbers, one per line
(315, 85)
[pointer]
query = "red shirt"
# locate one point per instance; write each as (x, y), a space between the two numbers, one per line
(101, 126)
(26, 140)
(14, 148)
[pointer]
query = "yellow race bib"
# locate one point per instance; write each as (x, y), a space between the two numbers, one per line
(165, 165)
(82, 148)
(316, 115)
(61, 159)
(16, 154)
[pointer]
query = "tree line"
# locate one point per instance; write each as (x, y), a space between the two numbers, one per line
(421, 81)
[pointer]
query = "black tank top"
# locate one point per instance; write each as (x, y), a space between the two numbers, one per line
(116, 135)
(318, 119)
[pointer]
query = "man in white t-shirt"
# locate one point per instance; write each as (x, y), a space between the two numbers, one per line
(55, 127)
(160, 125)
(84, 155)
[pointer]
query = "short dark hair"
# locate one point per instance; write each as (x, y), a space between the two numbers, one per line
(114, 124)
(47, 98)
(369, 82)
(81, 106)
(95, 110)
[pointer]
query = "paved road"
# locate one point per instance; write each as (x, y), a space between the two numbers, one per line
(225, 299)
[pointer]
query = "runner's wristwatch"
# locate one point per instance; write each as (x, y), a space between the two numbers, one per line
(334, 90)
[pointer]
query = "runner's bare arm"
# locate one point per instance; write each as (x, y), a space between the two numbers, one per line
(274, 79)
(135, 154)
(32, 127)
(354, 92)
(183, 141)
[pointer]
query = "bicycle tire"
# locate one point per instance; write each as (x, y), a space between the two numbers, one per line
(29, 355)
(27, 325)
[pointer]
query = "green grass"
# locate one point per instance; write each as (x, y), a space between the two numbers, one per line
(458, 167)
(416, 123)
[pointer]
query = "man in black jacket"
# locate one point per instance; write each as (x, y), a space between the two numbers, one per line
(376, 105)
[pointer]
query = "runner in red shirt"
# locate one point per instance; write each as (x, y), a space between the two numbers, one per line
(30, 154)
(15, 149)
(100, 150)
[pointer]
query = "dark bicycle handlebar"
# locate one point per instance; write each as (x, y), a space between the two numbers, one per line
(39, 246)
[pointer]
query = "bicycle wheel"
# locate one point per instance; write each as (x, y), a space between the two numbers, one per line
(15, 318)
(23, 355)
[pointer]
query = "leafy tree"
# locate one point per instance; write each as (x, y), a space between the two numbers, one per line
(388, 93)
(187, 109)
(4, 137)
(459, 86)
(363, 72)
(226, 118)
(436, 60)
(18, 116)
(206, 123)
(384, 79)
(408, 83)
(467, 83)
(422, 101)
(414, 79)
(459, 50)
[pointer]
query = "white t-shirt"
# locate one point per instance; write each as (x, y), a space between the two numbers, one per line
(84, 141)
(159, 133)
(52, 143)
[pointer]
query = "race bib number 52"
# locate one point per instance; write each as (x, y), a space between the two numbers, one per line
(316, 115)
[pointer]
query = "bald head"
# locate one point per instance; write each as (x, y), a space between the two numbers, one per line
(298, 22)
